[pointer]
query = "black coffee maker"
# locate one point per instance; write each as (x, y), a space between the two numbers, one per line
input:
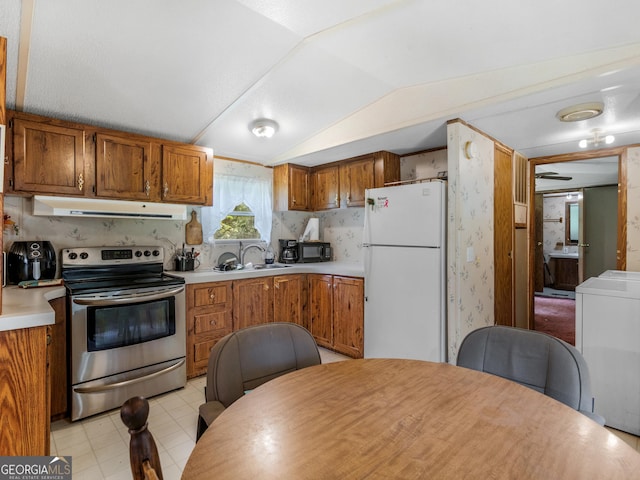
(288, 251)
(35, 260)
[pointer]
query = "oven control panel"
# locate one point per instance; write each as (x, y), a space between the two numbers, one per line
(96, 256)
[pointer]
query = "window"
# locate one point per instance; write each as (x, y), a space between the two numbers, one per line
(238, 224)
(242, 208)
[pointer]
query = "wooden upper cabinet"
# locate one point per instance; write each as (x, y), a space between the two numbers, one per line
(187, 174)
(56, 157)
(125, 168)
(291, 188)
(355, 178)
(386, 168)
(326, 188)
(47, 158)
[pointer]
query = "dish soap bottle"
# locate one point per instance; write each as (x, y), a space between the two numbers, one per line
(269, 256)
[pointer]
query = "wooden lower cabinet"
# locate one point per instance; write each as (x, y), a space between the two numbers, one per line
(253, 302)
(290, 299)
(24, 392)
(566, 273)
(331, 307)
(58, 364)
(336, 313)
(209, 318)
(348, 316)
(321, 309)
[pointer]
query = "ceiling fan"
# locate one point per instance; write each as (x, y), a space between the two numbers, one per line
(552, 176)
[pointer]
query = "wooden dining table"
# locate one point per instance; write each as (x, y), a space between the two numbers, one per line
(404, 419)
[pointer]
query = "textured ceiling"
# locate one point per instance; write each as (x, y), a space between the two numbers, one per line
(340, 77)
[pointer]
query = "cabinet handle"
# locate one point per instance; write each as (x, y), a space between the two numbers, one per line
(348, 198)
(212, 323)
(48, 339)
(212, 297)
(147, 187)
(293, 200)
(80, 181)
(165, 191)
(337, 199)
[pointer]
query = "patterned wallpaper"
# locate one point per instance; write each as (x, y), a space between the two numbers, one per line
(470, 235)
(633, 209)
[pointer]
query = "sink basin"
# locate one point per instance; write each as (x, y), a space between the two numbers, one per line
(255, 266)
(259, 266)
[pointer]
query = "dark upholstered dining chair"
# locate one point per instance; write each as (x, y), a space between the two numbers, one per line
(533, 359)
(244, 360)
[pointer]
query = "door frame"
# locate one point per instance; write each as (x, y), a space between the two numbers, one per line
(621, 263)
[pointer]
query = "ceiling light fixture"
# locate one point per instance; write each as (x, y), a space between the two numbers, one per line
(263, 128)
(582, 111)
(597, 139)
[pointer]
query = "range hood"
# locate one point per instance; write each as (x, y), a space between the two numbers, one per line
(91, 207)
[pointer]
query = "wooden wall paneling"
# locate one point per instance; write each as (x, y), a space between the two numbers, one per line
(503, 236)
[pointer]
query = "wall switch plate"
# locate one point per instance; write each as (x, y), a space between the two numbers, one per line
(471, 255)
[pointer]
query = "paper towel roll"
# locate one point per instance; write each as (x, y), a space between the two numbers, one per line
(312, 232)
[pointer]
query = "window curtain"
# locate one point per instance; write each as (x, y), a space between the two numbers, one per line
(229, 191)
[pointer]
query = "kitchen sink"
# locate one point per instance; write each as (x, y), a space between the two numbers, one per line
(259, 266)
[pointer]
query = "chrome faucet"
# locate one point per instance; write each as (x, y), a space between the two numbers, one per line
(243, 250)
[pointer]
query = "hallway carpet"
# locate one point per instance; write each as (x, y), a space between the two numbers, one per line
(557, 317)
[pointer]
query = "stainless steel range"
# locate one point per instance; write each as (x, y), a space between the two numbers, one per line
(127, 326)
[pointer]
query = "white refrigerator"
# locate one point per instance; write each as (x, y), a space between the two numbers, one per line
(404, 244)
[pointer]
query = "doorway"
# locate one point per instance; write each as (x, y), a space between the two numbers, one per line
(577, 189)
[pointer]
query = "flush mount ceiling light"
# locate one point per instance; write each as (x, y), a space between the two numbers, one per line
(583, 111)
(263, 127)
(597, 139)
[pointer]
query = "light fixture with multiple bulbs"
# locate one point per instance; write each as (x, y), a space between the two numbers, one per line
(263, 128)
(597, 139)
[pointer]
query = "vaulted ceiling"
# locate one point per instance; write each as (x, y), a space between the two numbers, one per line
(340, 77)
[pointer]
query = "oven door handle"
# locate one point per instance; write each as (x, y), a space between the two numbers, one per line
(124, 383)
(102, 301)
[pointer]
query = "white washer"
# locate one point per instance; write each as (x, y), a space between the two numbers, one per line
(608, 335)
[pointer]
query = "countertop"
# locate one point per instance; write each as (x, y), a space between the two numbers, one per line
(28, 307)
(207, 274)
(564, 255)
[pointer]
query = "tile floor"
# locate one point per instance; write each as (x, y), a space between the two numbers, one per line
(100, 445)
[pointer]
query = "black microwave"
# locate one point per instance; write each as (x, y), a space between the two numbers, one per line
(314, 252)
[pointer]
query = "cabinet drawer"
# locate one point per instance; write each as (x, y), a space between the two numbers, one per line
(201, 350)
(216, 322)
(211, 295)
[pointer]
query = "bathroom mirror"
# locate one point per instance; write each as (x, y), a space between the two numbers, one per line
(572, 223)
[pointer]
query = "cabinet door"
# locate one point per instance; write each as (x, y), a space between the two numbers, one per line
(289, 299)
(48, 158)
(326, 193)
(299, 198)
(24, 395)
(125, 169)
(252, 302)
(348, 316)
(355, 178)
(187, 175)
(321, 309)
